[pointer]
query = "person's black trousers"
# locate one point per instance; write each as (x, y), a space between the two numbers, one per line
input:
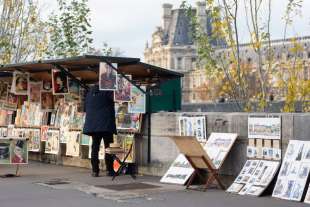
(107, 138)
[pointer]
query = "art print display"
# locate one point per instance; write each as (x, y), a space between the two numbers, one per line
(20, 83)
(52, 142)
(138, 100)
(34, 92)
(123, 92)
(5, 151)
(294, 172)
(11, 101)
(44, 130)
(255, 177)
(193, 126)
(218, 146)
(64, 135)
(127, 121)
(19, 151)
(60, 83)
(74, 92)
(73, 144)
(264, 127)
(179, 172)
(107, 77)
(34, 142)
(47, 101)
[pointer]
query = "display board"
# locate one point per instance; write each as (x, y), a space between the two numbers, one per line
(193, 126)
(294, 172)
(179, 172)
(264, 154)
(218, 147)
(13, 151)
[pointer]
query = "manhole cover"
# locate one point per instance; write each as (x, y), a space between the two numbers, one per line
(130, 186)
(56, 182)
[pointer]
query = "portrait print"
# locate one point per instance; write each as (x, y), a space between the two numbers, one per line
(123, 92)
(34, 92)
(47, 101)
(59, 82)
(107, 77)
(20, 83)
(19, 150)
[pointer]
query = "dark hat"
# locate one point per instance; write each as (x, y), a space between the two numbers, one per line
(20, 143)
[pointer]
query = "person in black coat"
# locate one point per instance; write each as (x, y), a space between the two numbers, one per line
(100, 124)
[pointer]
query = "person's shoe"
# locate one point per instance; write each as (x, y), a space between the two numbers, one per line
(95, 174)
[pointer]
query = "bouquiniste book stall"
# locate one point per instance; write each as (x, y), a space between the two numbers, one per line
(41, 111)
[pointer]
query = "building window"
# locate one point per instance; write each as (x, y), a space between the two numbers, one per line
(179, 63)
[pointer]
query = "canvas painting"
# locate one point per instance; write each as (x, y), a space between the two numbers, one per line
(179, 172)
(123, 92)
(218, 146)
(107, 77)
(5, 151)
(138, 101)
(52, 142)
(34, 142)
(264, 128)
(73, 144)
(20, 83)
(19, 150)
(60, 83)
(47, 101)
(34, 92)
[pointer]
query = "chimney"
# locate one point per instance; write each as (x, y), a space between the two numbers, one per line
(167, 16)
(202, 14)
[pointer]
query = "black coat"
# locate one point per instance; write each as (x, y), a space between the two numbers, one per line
(100, 112)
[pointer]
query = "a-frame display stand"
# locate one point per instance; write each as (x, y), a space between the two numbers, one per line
(198, 158)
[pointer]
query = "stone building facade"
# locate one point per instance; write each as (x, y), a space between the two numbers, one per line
(172, 47)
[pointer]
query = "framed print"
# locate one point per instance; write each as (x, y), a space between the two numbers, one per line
(123, 92)
(60, 83)
(20, 83)
(264, 127)
(107, 77)
(34, 92)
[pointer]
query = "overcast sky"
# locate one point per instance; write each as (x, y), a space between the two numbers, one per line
(128, 24)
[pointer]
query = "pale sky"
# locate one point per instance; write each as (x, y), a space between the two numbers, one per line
(128, 24)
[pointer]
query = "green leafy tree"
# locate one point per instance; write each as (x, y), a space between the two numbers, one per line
(70, 29)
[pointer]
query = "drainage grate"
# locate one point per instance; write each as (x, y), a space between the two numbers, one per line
(129, 186)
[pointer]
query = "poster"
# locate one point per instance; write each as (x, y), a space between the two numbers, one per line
(74, 92)
(138, 100)
(73, 144)
(123, 92)
(125, 120)
(218, 146)
(264, 128)
(34, 92)
(193, 126)
(179, 172)
(5, 151)
(52, 142)
(44, 130)
(107, 77)
(19, 151)
(129, 140)
(47, 101)
(20, 83)
(59, 82)
(34, 142)
(294, 172)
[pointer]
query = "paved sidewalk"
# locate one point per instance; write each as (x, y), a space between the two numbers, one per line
(45, 185)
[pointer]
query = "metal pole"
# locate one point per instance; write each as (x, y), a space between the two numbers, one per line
(149, 113)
